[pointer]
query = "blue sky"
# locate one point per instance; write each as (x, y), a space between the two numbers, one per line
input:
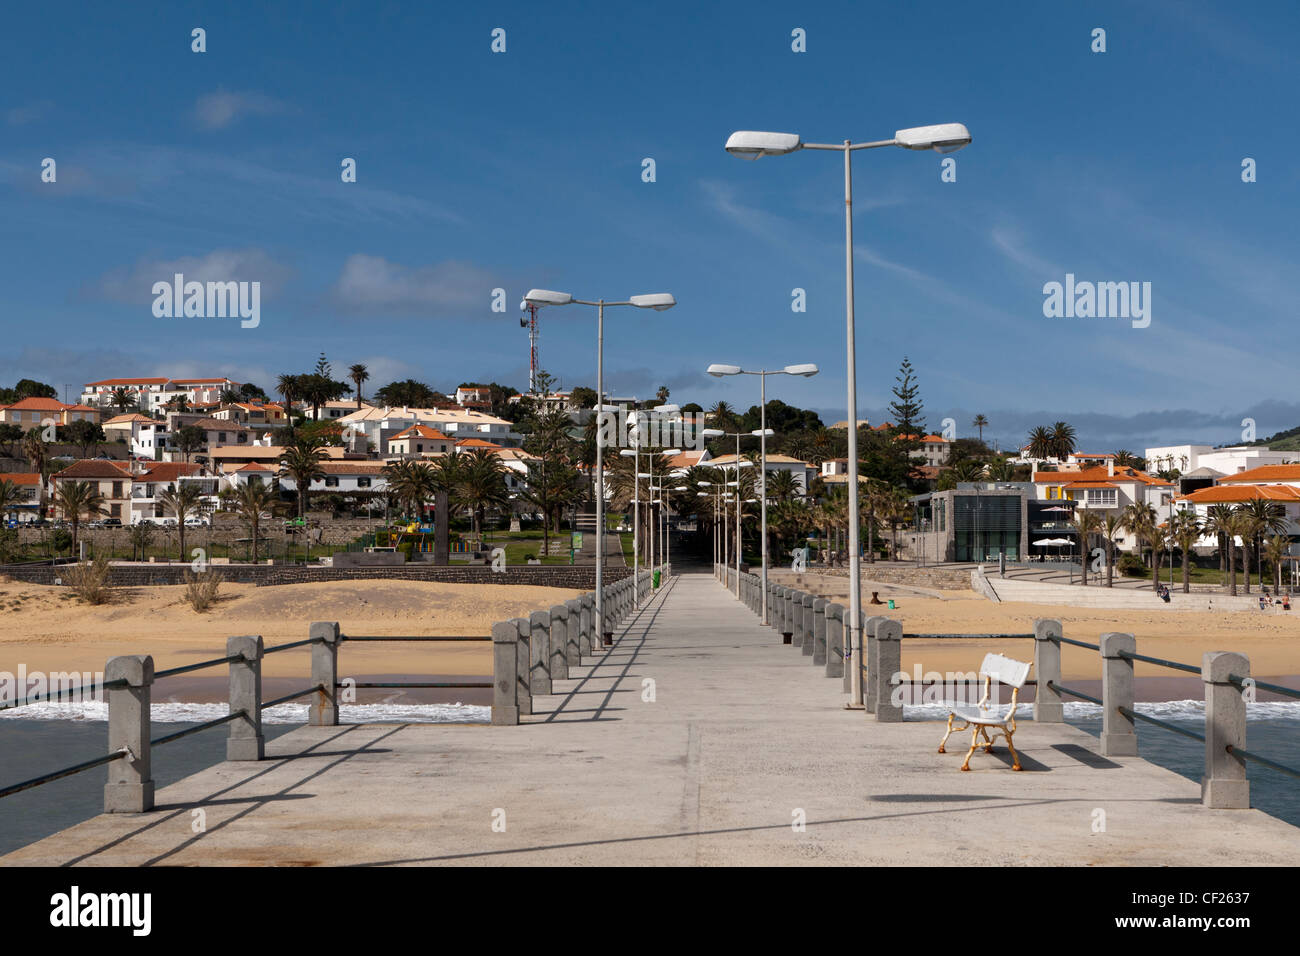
(479, 170)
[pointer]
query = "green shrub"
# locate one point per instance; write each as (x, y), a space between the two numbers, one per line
(1131, 566)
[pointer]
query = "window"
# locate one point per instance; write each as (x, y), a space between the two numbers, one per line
(331, 481)
(363, 482)
(117, 491)
(1103, 497)
(115, 511)
(221, 437)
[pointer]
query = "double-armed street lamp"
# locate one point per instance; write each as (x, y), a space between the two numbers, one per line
(635, 453)
(806, 371)
(750, 144)
(658, 301)
(756, 433)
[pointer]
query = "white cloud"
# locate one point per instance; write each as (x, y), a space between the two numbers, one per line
(374, 284)
(133, 285)
(218, 110)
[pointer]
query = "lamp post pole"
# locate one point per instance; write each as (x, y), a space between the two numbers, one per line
(749, 144)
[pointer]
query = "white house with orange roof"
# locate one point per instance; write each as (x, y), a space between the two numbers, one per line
(419, 441)
(153, 392)
(32, 411)
(801, 470)
(343, 477)
(1106, 489)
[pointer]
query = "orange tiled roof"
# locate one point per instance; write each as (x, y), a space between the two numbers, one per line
(476, 443)
(422, 431)
(1124, 474)
(37, 404)
(1265, 473)
(21, 477)
(93, 468)
(1220, 494)
(130, 381)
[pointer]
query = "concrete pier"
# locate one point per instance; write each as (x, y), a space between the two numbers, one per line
(698, 738)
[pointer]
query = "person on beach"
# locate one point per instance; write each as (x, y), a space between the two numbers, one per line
(1286, 602)
(1262, 602)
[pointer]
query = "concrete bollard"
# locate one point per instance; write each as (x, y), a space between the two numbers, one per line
(130, 779)
(323, 706)
(787, 615)
(539, 647)
(889, 661)
(572, 641)
(1048, 708)
(866, 658)
(559, 624)
(1224, 785)
(834, 640)
(796, 618)
(505, 657)
(590, 642)
(245, 741)
(523, 665)
(1118, 735)
(819, 632)
(806, 622)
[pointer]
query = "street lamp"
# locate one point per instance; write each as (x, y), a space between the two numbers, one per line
(807, 371)
(750, 144)
(720, 433)
(657, 301)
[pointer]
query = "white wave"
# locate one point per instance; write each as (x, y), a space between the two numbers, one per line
(291, 713)
(1172, 710)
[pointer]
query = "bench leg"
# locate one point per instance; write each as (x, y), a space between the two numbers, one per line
(974, 742)
(1015, 757)
(950, 732)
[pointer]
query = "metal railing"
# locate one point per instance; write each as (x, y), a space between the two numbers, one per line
(817, 627)
(131, 678)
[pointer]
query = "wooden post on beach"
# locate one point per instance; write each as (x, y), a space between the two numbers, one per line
(819, 631)
(1118, 735)
(539, 671)
(888, 661)
(1047, 667)
(559, 627)
(323, 706)
(523, 665)
(834, 640)
(246, 741)
(505, 679)
(130, 779)
(1224, 786)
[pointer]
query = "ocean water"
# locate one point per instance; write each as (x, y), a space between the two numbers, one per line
(43, 738)
(1272, 731)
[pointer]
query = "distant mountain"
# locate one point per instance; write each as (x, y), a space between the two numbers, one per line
(1288, 440)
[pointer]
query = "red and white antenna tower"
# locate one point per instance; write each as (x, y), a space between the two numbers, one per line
(529, 322)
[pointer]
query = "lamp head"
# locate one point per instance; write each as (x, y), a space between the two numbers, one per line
(807, 371)
(720, 370)
(713, 433)
(751, 144)
(659, 301)
(944, 138)
(546, 297)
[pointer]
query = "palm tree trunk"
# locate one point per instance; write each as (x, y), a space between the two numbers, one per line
(1232, 567)
(1110, 563)
(180, 531)
(1245, 563)
(1187, 572)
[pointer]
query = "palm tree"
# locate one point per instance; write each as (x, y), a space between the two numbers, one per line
(1063, 440)
(288, 386)
(1186, 531)
(75, 499)
(10, 497)
(871, 498)
(1086, 523)
(250, 500)
(981, 423)
(722, 416)
(482, 485)
(1111, 527)
(1040, 443)
(1232, 525)
(37, 453)
(1125, 459)
(1140, 519)
(782, 486)
(358, 373)
(122, 400)
(1266, 518)
(182, 502)
(1217, 521)
(302, 460)
(895, 509)
(1276, 549)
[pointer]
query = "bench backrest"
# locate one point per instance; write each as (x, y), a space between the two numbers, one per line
(1005, 670)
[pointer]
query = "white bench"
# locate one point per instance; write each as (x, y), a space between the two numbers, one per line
(984, 715)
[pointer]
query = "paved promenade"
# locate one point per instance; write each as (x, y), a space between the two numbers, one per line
(742, 738)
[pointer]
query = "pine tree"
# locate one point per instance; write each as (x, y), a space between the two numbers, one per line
(905, 410)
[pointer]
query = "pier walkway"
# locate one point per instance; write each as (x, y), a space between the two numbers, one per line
(741, 741)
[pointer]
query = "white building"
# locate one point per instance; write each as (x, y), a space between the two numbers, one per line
(379, 424)
(1226, 461)
(151, 394)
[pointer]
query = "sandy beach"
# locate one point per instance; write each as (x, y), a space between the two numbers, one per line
(48, 629)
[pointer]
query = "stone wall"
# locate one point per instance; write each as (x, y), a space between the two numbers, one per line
(139, 574)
